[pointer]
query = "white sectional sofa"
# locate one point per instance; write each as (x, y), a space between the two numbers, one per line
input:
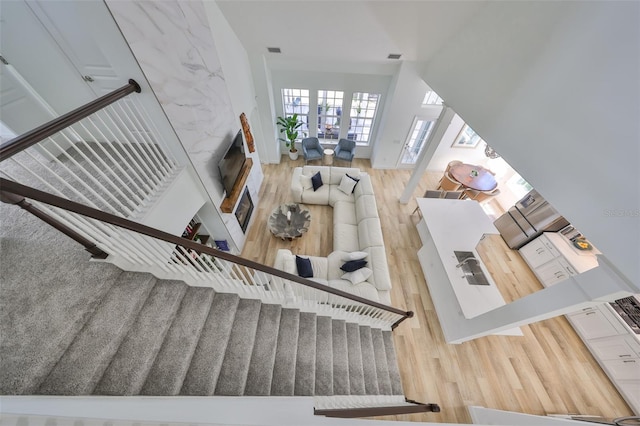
(356, 228)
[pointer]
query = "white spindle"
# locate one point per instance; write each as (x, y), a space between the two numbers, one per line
(158, 136)
(120, 140)
(134, 197)
(133, 142)
(149, 141)
(88, 176)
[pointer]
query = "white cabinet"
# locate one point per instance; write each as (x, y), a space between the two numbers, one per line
(623, 369)
(537, 253)
(616, 348)
(631, 392)
(554, 271)
(547, 258)
(592, 323)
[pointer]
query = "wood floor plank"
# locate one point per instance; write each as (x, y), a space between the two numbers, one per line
(546, 371)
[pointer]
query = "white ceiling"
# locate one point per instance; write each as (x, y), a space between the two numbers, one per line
(347, 31)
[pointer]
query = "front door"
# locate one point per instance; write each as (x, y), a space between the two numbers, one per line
(415, 143)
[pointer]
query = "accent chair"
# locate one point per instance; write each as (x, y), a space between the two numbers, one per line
(311, 149)
(345, 150)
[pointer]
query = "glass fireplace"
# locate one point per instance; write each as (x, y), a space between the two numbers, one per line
(244, 210)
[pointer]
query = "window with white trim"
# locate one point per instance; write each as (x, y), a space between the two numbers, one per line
(362, 116)
(296, 101)
(329, 113)
(431, 98)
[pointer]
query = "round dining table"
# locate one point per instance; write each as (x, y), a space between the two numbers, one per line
(474, 177)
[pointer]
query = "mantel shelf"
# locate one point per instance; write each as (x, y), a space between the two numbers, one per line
(229, 203)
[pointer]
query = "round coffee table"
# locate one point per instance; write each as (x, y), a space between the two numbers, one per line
(289, 221)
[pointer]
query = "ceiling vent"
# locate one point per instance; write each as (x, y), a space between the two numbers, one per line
(394, 56)
(274, 49)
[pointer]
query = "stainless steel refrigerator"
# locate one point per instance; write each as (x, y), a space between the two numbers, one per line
(527, 219)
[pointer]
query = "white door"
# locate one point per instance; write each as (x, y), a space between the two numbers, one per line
(415, 143)
(67, 22)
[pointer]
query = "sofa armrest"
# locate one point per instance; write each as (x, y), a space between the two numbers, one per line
(296, 185)
(281, 256)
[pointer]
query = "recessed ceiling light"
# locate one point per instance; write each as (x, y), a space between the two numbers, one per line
(394, 56)
(274, 49)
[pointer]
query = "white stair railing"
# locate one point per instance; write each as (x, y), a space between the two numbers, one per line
(114, 159)
(135, 247)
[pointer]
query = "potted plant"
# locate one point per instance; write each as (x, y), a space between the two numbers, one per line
(290, 126)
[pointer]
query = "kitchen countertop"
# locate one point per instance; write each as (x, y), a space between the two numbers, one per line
(580, 260)
(460, 225)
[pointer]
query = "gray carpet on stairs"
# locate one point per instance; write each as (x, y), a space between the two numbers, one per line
(206, 363)
(340, 350)
(129, 367)
(284, 371)
(172, 362)
(74, 327)
(235, 366)
(324, 357)
(263, 357)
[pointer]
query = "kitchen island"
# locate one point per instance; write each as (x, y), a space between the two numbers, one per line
(448, 226)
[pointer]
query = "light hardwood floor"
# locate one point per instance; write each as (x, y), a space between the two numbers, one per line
(548, 371)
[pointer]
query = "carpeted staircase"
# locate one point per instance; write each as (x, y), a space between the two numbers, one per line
(72, 327)
(158, 337)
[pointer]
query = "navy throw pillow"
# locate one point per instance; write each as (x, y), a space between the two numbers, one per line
(316, 181)
(356, 179)
(304, 267)
(353, 265)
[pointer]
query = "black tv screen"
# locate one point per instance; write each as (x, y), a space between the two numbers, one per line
(232, 162)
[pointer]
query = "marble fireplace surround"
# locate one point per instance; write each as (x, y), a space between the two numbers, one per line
(174, 46)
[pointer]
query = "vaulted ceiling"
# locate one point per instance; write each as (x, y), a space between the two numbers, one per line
(348, 31)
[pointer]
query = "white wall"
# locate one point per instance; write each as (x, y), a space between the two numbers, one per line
(554, 86)
(404, 103)
(237, 72)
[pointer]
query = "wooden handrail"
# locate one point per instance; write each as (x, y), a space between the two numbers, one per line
(53, 200)
(38, 134)
(17, 200)
(390, 410)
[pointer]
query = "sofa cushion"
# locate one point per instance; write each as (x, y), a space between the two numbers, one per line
(304, 267)
(353, 265)
(355, 255)
(363, 289)
(334, 262)
(366, 207)
(316, 181)
(335, 195)
(358, 276)
(369, 233)
(305, 181)
(337, 174)
(347, 184)
(325, 172)
(344, 212)
(345, 237)
(378, 263)
(363, 187)
(321, 196)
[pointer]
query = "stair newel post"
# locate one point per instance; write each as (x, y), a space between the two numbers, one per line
(10, 198)
(408, 314)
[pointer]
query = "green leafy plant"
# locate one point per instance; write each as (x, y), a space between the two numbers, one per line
(290, 126)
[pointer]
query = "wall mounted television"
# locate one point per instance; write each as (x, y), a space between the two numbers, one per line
(231, 163)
